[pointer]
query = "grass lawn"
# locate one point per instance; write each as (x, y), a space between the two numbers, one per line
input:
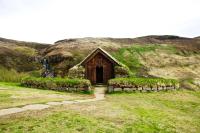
(12, 95)
(164, 112)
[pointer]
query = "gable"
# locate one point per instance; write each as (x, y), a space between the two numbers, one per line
(103, 53)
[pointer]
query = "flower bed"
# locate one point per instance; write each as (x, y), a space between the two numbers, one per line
(62, 84)
(142, 84)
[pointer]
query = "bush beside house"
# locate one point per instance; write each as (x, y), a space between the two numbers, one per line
(121, 71)
(61, 84)
(77, 72)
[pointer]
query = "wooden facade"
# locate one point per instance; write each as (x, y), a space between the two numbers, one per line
(99, 66)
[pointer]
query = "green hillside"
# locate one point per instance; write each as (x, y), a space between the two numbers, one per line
(149, 56)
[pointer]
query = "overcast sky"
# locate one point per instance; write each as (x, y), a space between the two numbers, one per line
(50, 20)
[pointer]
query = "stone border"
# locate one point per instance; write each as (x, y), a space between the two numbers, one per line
(140, 89)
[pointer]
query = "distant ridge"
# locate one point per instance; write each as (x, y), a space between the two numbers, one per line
(198, 37)
(20, 42)
(89, 43)
(23, 43)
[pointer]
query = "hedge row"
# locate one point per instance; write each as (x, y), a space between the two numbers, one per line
(142, 82)
(64, 84)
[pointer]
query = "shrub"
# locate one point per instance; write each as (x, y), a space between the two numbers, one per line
(121, 71)
(56, 83)
(76, 72)
(142, 82)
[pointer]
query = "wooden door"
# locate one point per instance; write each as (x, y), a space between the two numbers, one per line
(99, 69)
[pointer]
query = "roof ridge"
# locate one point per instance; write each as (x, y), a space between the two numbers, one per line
(105, 52)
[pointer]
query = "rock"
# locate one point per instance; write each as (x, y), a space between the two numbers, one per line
(11, 111)
(36, 107)
(140, 88)
(110, 89)
(69, 102)
(154, 89)
(54, 103)
(117, 89)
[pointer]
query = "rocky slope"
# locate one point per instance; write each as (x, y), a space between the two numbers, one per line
(20, 55)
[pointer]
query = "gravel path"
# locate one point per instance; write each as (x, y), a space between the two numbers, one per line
(99, 95)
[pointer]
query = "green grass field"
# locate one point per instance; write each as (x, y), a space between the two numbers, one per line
(164, 112)
(12, 95)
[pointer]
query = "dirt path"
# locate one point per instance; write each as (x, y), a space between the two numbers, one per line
(99, 94)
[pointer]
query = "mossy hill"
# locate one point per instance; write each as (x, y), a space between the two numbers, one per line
(149, 56)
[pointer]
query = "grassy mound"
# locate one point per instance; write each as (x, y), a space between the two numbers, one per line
(142, 82)
(63, 84)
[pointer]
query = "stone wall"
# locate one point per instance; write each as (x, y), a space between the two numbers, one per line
(141, 89)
